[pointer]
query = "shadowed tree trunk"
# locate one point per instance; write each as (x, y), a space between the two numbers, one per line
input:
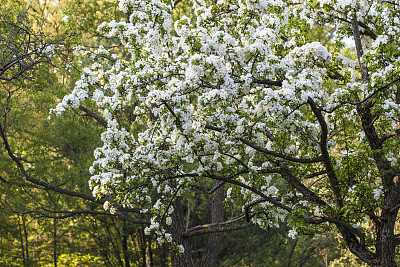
(55, 242)
(27, 262)
(177, 229)
(124, 241)
(210, 258)
(22, 243)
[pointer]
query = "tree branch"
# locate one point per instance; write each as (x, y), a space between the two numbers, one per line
(217, 227)
(90, 113)
(279, 155)
(53, 187)
(267, 82)
(68, 214)
(333, 181)
(296, 184)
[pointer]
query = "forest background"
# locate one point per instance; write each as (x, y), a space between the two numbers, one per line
(51, 217)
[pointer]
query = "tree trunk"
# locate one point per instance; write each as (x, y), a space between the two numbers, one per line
(28, 262)
(291, 252)
(217, 215)
(177, 229)
(55, 242)
(163, 255)
(124, 240)
(385, 241)
(143, 246)
(150, 252)
(22, 243)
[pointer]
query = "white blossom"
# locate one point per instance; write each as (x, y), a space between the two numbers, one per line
(378, 192)
(292, 233)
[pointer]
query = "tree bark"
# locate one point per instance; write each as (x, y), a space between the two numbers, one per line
(385, 239)
(124, 240)
(217, 215)
(55, 242)
(177, 229)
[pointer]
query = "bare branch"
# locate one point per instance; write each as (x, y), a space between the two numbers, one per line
(69, 213)
(54, 187)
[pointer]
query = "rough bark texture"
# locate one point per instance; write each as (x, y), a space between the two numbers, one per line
(214, 240)
(178, 230)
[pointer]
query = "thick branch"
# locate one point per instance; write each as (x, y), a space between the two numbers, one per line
(299, 186)
(217, 227)
(389, 135)
(274, 201)
(367, 30)
(333, 181)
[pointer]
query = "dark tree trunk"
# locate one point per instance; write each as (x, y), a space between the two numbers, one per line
(150, 253)
(163, 255)
(217, 215)
(55, 242)
(22, 243)
(124, 241)
(177, 229)
(143, 246)
(28, 261)
(291, 252)
(385, 243)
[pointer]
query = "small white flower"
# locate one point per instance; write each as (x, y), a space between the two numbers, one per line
(378, 192)
(168, 237)
(180, 248)
(147, 231)
(318, 211)
(65, 18)
(229, 192)
(106, 205)
(304, 203)
(292, 234)
(48, 48)
(113, 210)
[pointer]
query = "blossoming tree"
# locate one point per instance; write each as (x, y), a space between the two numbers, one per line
(242, 96)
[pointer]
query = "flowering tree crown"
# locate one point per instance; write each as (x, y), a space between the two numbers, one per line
(242, 93)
